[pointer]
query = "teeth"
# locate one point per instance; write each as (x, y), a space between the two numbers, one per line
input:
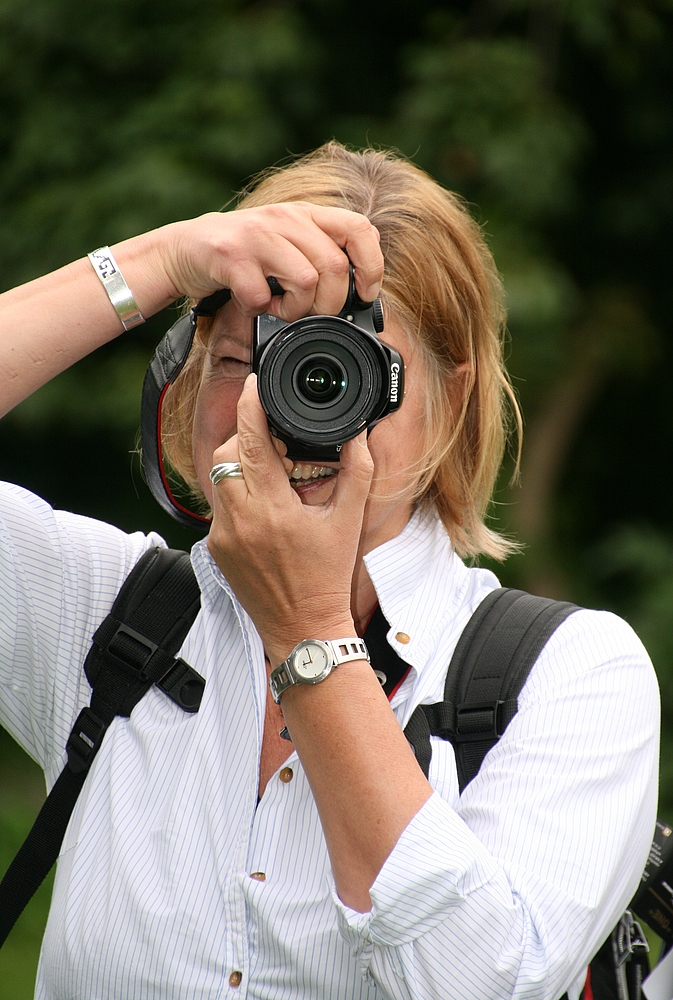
(303, 471)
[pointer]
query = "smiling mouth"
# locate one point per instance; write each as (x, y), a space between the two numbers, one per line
(303, 473)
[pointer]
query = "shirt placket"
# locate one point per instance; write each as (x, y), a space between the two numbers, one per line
(237, 945)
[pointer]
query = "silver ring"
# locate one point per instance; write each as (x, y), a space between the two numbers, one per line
(225, 470)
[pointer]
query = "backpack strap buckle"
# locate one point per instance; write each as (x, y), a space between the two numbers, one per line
(183, 685)
(478, 721)
(130, 649)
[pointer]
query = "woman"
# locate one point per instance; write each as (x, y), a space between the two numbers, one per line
(207, 855)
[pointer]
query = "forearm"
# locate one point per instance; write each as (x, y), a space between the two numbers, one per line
(515, 885)
(50, 323)
(363, 774)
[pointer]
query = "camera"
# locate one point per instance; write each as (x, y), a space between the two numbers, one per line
(323, 379)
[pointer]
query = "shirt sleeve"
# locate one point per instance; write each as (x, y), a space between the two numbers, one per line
(509, 890)
(59, 575)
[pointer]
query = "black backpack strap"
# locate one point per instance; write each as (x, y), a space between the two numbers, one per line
(133, 648)
(490, 665)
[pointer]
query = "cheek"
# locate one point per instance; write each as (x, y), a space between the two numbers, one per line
(214, 423)
(396, 445)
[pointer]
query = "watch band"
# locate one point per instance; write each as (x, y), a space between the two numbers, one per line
(340, 651)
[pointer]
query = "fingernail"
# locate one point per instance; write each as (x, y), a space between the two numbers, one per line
(362, 439)
(250, 381)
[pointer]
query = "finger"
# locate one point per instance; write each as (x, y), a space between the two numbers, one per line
(263, 467)
(354, 479)
(227, 452)
(320, 234)
(249, 288)
(228, 493)
(327, 258)
(281, 448)
(312, 269)
(263, 254)
(299, 277)
(361, 241)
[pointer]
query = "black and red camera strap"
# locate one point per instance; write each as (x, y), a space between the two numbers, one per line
(167, 362)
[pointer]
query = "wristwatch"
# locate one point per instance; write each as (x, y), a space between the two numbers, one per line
(312, 660)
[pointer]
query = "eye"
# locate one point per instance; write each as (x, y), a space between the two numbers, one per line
(233, 368)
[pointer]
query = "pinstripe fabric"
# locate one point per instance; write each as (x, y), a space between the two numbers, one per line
(505, 892)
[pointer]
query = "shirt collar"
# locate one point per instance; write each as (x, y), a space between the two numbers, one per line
(422, 586)
(209, 576)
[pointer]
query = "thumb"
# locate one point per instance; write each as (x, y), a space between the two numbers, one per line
(263, 466)
(355, 475)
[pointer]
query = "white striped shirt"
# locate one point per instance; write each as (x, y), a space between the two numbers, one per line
(505, 891)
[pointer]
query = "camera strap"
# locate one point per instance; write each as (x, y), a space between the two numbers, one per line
(166, 364)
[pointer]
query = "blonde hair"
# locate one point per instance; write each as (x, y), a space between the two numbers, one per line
(441, 284)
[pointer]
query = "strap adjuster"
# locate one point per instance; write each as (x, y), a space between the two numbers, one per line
(131, 649)
(478, 721)
(85, 740)
(183, 685)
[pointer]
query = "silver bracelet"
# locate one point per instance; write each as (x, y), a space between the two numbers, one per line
(118, 292)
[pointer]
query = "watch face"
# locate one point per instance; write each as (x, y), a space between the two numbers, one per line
(312, 662)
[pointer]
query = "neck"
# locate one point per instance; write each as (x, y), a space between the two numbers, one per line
(363, 598)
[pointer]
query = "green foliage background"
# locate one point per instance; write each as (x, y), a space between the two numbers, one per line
(553, 117)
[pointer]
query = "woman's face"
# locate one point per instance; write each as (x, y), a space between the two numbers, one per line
(395, 444)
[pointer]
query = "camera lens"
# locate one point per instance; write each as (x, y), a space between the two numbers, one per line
(321, 380)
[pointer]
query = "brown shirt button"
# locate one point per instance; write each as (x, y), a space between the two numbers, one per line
(403, 637)
(258, 876)
(235, 979)
(286, 774)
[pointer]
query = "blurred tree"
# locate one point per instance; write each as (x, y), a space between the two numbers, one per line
(123, 118)
(519, 104)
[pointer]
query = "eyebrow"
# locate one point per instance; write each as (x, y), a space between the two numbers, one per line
(242, 341)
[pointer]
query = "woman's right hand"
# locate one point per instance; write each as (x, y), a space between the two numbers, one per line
(50, 323)
(299, 244)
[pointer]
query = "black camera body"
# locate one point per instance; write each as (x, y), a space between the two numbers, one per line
(324, 379)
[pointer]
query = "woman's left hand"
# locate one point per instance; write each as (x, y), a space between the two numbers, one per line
(289, 564)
